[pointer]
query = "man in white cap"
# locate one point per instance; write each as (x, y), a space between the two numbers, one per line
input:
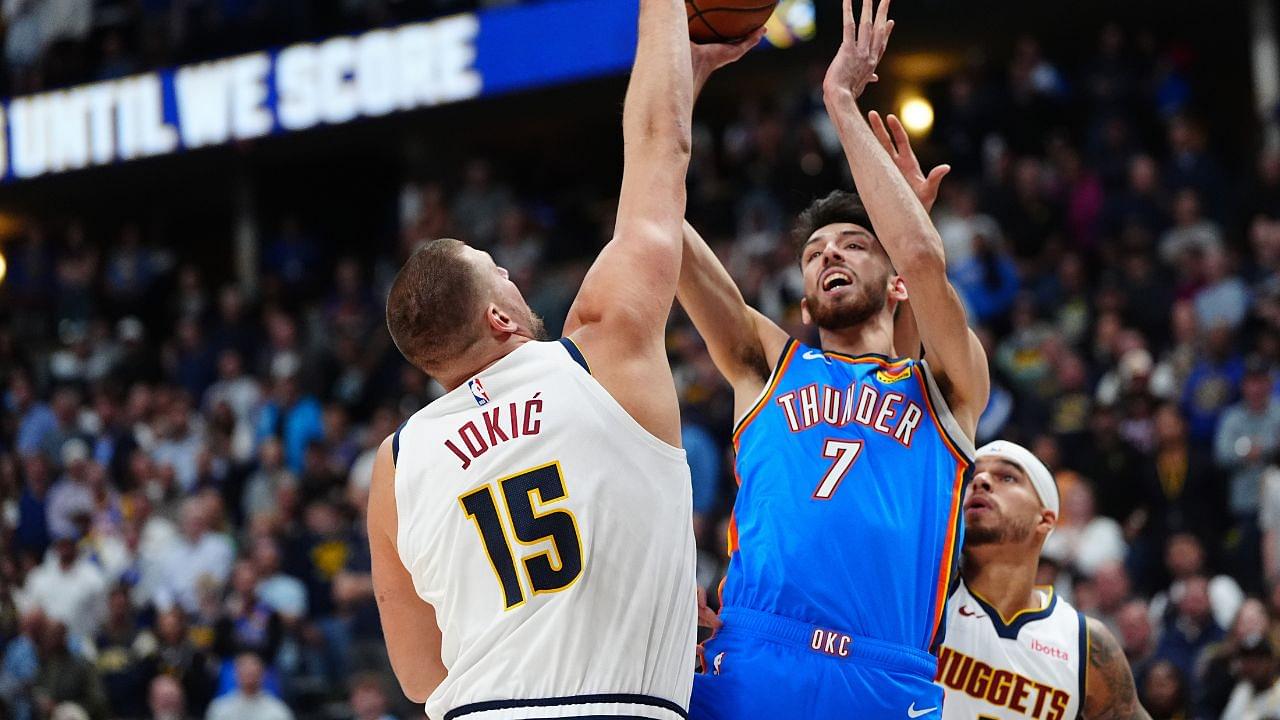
(1012, 649)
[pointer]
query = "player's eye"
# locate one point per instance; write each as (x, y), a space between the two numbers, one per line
(1009, 479)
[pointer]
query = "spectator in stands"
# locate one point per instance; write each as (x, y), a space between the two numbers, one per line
(1247, 440)
(248, 622)
(1191, 233)
(241, 393)
(176, 656)
(284, 593)
(368, 699)
(1220, 660)
(1137, 637)
(200, 556)
(118, 655)
(1189, 630)
(1257, 694)
(66, 677)
(290, 414)
(21, 666)
(1164, 693)
(479, 204)
(31, 536)
(1223, 298)
(1085, 539)
(262, 486)
(1184, 559)
(1212, 385)
(36, 421)
(69, 589)
(166, 700)
(249, 701)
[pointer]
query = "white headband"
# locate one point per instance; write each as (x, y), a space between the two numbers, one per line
(1039, 475)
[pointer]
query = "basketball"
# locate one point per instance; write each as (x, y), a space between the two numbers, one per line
(716, 21)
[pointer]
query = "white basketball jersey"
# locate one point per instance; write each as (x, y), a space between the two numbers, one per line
(553, 536)
(1030, 667)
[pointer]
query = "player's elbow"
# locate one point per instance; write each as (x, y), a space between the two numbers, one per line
(418, 689)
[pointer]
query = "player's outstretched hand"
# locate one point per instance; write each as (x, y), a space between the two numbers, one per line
(854, 66)
(713, 56)
(895, 141)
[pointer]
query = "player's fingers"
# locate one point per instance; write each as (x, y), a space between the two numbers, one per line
(882, 12)
(864, 25)
(900, 135)
(850, 29)
(754, 38)
(878, 129)
(883, 40)
(936, 175)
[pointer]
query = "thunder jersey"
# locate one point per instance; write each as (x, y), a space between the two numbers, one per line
(851, 471)
(553, 536)
(1030, 667)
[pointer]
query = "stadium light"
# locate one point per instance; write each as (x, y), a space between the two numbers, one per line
(4, 268)
(917, 115)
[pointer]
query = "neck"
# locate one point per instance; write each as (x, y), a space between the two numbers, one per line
(476, 361)
(1004, 575)
(873, 336)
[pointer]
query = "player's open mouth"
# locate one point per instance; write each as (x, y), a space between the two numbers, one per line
(977, 503)
(834, 279)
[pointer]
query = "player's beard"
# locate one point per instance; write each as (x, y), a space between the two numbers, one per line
(532, 321)
(1008, 532)
(868, 300)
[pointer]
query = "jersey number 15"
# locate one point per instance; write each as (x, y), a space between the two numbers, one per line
(545, 572)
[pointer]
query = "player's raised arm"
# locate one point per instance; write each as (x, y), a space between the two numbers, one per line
(901, 223)
(742, 342)
(895, 141)
(408, 622)
(630, 287)
(620, 313)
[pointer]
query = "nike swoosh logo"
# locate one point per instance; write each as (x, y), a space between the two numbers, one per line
(914, 713)
(813, 355)
(965, 611)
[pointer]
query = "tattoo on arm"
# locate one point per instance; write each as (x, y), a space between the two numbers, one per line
(1110, 692)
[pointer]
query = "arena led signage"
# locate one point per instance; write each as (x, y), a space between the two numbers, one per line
(329, 82)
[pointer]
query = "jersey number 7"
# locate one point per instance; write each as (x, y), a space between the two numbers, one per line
(844, 452)
(546, 572)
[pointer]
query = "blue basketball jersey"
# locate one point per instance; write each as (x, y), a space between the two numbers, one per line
(851, 471)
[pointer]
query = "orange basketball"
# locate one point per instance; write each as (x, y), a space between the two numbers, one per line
(714, 21)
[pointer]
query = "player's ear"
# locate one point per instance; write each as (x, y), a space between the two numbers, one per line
(1048, 520)
(804, 312)
(897, 289)
(500, 321)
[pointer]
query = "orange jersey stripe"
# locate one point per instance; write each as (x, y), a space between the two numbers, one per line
(781, 370)
(855, 359)
(933, 416)
(944, 572)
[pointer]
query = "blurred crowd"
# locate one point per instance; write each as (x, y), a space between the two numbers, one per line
(184, 461)
(55, 43)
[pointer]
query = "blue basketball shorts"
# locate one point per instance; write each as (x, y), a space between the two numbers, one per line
(760, 666)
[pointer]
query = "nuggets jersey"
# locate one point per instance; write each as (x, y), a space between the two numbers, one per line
(1030, 667)
(553, 536)
(851, 471)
